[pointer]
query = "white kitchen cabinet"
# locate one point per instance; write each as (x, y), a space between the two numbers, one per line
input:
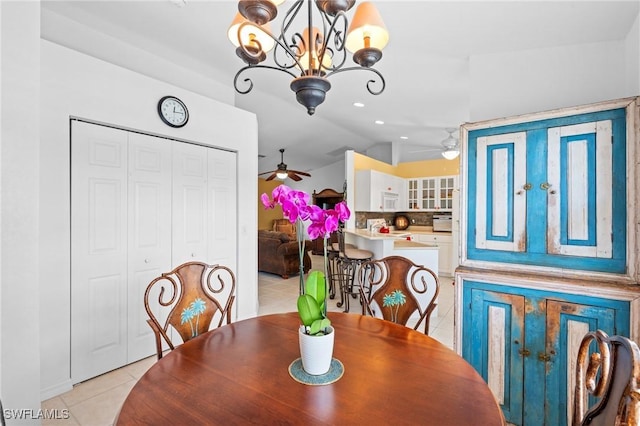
(378, 192)
(445, 250)
(431, 193)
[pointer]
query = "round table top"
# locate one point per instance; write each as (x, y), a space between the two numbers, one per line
(238, 374)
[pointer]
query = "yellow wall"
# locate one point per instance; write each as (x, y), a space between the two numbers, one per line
(425, 168)
(428, 168)
(265, 217)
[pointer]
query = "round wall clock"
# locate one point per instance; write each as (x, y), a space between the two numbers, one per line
(173, 111)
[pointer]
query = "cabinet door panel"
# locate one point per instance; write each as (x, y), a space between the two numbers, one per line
(493, 341)
(566, 325)
(579, 165)
(500, 199)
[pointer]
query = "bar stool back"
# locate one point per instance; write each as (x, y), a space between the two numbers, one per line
(348, 260)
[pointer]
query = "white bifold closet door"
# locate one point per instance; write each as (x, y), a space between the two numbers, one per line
(140, 205)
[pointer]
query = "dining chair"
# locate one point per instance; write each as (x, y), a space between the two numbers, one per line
(188, 299)
(610, 372)
(396, 289)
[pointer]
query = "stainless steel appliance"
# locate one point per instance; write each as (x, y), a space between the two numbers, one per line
(442, 222)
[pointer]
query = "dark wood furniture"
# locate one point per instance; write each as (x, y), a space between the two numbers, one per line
(188, 299)
(327, 199)
(395, 289)
(238, 374)
(611, 373)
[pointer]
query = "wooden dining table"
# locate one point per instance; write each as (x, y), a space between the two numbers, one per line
(239, 374)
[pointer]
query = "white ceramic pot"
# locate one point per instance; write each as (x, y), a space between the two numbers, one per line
(316, 351)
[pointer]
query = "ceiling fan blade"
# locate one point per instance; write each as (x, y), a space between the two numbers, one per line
(300, 173)
(273, 175)
(294, 176)
(266, 173)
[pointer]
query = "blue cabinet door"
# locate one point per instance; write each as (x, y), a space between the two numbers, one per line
(566, 325)
(545, 192)
(524, 343)
(494, 328)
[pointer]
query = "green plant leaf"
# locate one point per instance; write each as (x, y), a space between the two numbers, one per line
(316, 286)
(308, 309)
(319, 325)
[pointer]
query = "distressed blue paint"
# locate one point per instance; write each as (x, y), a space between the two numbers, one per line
(536, 209)
(544, 393)
(565, 170)
(477, 353)
(509, 147)
(557, 387)
(536, 221)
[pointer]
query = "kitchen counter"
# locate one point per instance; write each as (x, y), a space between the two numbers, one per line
(395, 244)
(392, 235)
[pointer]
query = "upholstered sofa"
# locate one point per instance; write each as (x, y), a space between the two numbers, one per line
(278, 254)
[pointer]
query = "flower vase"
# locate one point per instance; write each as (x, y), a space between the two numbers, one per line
(316, 351)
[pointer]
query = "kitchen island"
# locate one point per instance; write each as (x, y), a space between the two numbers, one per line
(394, 243)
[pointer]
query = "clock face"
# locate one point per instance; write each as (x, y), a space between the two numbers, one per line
(173, 111)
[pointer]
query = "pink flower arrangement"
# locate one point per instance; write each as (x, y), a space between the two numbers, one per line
(296, 208)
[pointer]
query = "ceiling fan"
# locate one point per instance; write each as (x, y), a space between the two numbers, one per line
(450, 146)
(282, 172)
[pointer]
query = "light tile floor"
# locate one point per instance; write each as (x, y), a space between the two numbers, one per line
(97, 401)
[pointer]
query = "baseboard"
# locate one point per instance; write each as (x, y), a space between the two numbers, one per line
(55, 390)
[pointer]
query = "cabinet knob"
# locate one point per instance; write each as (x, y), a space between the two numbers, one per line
(527, 186)
(193, 255)
(146, 261)
(545, 185)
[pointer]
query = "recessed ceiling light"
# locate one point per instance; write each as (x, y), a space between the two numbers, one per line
(358, 104)
(404, 137)
(379, 122)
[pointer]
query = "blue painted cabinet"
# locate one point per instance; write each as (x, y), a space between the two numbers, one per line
(524, 342)
(544, 192)
(549, 248)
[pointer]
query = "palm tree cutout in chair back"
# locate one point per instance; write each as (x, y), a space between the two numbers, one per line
(393, 301)
(399, 290)
(191, 313)
(189, 299)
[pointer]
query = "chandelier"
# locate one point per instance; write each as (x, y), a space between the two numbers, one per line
(312, 55)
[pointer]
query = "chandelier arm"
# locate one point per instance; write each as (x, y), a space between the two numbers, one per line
(281, 40)
(337, 39)
(373, 70)
(248, 80)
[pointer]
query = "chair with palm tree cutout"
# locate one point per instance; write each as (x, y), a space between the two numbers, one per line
(396, 289)
(609, 370)
(189, 299)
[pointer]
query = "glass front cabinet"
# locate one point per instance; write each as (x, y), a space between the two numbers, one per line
(548, 249)
(431, 193)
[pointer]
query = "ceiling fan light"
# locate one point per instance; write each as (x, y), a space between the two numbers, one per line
(451, 153)
(282, 174)
(367, 29)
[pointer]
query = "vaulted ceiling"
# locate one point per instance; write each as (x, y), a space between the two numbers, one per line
(425, 65)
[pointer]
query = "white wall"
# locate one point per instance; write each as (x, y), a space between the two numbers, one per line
(632, 52)
(507, 84)
(77, 85)
(19, 136)
(331, 176)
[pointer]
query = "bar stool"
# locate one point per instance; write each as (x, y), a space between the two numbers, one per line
(348, 260)
(333, 268)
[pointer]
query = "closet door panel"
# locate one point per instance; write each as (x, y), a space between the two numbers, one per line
(222, 207)
(190, 218)
(98, 250)
(149, 236)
